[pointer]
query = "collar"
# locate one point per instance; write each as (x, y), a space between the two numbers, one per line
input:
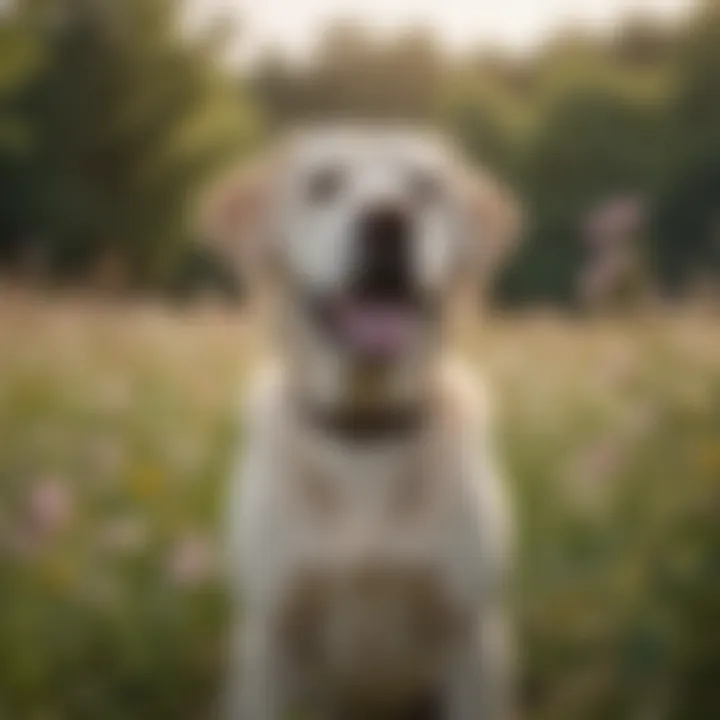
(366, 425)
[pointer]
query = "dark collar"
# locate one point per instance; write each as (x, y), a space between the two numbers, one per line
(367, 425)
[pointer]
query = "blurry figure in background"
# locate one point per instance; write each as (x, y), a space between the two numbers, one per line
(614, 276)
(370, 533)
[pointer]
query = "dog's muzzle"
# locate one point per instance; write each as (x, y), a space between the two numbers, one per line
(381, 314)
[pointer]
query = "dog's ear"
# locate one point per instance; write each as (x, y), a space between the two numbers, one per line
(495, 221)
(233, 213)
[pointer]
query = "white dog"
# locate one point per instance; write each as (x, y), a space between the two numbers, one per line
(369, 531)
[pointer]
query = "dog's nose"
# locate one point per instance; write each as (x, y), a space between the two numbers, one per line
(384, 252)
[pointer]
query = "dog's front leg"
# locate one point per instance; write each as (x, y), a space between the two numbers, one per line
(260, 679)
(481, 684)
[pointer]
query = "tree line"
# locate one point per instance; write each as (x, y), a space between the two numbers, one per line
(113, 114)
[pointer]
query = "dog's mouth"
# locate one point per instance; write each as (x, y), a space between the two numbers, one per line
(374, 329)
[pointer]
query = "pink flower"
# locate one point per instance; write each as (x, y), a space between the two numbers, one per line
(50, 506)
(191, 560)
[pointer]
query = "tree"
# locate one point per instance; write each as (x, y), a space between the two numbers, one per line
(21, 60)
(353, 75)
(688, 219)
(128, 115)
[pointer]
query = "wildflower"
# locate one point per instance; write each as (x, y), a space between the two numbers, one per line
(191, 560)
(50, 506)
(146, 482)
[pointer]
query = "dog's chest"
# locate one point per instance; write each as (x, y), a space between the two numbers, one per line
(369, 589)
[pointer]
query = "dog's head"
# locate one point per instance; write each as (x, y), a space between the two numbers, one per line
(370, 232)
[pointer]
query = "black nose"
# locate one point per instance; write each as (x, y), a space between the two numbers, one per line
(383, 271)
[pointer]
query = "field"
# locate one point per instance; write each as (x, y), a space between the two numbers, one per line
(116, 429)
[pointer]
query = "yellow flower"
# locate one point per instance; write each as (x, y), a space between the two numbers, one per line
(145, 482)
(707, 458)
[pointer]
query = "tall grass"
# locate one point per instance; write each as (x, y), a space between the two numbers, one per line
(117, 427)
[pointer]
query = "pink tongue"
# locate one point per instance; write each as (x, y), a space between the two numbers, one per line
(380, 329)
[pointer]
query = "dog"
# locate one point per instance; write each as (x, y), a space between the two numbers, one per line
(370, 535)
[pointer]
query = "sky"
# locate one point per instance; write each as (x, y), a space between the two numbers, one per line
(294, 25)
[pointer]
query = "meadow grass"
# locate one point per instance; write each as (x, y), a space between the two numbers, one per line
(117, 430)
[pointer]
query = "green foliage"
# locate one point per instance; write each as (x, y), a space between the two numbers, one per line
(113, 460)
(616, 479)
(126, 116)
(687, 222)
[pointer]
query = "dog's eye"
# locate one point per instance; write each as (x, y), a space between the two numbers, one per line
(426, 188)
(325, 184)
